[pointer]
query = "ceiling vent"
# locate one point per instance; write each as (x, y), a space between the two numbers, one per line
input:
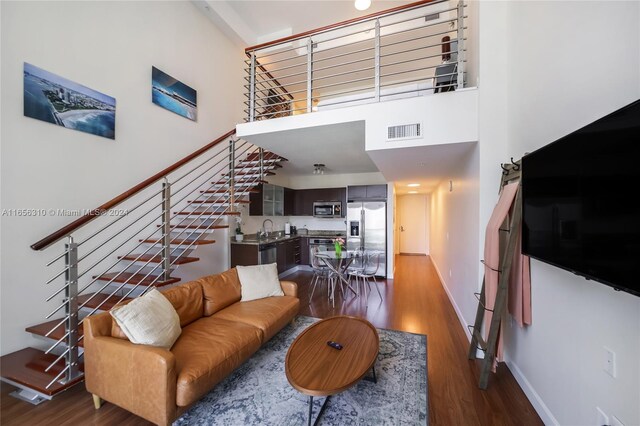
(404, 131)
(432, 17)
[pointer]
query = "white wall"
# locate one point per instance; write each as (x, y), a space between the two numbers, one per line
(336, 180)
(434, 112)
(492, 111)
(453, 236)
(110, 47)
(582, 64)
(391, 207)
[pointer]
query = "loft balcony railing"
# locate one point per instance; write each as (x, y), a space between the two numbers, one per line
(411, 50)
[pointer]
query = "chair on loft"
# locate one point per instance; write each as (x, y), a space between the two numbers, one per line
(446, 74)
(367, 274)
(320, 272)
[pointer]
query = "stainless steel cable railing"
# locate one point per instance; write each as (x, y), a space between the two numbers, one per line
(161, 228)
(410, 50)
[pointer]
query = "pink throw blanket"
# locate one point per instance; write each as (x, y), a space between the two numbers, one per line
(519, 299)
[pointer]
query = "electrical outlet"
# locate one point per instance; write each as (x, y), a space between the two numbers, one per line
(610, 362)
(603, 419)
(615, 421)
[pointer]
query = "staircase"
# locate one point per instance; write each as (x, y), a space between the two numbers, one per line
(110, 259)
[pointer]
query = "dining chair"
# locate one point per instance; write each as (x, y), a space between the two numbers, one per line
(368, 273)
(321, 272)
(358, 262)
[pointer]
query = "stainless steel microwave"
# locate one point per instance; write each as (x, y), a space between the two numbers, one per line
(327, 209)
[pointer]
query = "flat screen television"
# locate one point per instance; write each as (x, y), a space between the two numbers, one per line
(581, 201)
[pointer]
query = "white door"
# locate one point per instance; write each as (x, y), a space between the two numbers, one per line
(412, 224)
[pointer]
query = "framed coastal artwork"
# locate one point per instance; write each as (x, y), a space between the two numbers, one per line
(49, 97)
(174, 95)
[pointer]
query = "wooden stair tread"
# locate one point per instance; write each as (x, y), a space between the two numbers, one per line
(218, 202)
(27, 366)
(206, 213)
(239, 182)
(197, 226)
(183, 241)
(109, 301)
(271, 162)
(133, 279)
(224, 191)
(256, 173)
(267, 163)
(265, 156)
(43, 328)
(253, 164)
(157, 258)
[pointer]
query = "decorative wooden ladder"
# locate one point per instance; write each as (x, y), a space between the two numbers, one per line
(214, 182)
(510, 173)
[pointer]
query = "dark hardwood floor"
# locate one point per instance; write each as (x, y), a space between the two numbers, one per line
(414, 301)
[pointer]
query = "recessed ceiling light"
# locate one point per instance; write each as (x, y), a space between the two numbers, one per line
(413, 185)
(412, 192)
(362, 4)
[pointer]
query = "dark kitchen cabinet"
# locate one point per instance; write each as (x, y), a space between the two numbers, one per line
(288, 254)
(367, 192)
(303, 204)
(377, 192)
(304, 251)
(271, 200)
(255, 201)
(292, 253)
(304, 199)
(299, 202)
(358, 192)
(244, 254)
(289, 202)
(281, 256)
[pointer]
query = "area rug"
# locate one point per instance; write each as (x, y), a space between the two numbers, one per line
(258, 392)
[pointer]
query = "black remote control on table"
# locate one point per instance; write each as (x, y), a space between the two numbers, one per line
(334, 345)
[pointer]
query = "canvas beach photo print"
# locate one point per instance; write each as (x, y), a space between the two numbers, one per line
(174, 95)
(49, 97)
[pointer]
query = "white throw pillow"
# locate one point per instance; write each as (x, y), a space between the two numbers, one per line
(149, 320)
(258, 282)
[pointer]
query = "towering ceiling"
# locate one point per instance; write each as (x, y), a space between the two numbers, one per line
(251, 22)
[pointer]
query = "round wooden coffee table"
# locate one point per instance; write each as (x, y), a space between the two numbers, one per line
(316, 369)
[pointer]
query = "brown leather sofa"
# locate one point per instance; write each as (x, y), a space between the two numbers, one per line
(219, 333)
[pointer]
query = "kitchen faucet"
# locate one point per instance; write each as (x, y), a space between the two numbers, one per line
(264, 227)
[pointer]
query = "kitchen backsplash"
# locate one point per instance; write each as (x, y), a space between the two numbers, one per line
(253, 224)
(318, 224)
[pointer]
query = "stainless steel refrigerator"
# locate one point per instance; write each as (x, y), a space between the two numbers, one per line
(367, 229)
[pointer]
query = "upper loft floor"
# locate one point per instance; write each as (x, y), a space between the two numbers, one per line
(416, 49)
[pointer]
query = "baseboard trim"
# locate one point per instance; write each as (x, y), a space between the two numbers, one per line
(538, 404)
(453, 302)
(412, 254)
(294, 270)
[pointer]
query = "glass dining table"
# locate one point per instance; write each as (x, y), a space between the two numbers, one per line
(338, 264)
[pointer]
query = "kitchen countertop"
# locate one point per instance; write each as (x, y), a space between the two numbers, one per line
(281, 237)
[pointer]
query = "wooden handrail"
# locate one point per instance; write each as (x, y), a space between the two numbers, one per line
(83, 220)
(340, 24)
